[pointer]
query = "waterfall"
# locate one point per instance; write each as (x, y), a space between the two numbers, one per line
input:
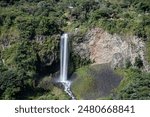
(64, 58)
(64, 65)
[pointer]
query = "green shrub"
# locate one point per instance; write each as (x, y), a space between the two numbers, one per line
(138, 88)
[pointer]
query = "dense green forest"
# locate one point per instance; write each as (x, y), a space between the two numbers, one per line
(29, 43)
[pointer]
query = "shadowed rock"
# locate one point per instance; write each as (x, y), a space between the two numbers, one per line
(97, 82)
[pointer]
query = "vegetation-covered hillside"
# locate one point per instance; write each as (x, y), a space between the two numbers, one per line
(29, 42)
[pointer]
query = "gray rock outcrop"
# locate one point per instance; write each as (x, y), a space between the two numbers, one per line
(102, 47)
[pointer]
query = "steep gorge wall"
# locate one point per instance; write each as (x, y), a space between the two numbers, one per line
(101, 47)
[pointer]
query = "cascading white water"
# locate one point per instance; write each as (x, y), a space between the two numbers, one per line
(64, 65)
(64, 58)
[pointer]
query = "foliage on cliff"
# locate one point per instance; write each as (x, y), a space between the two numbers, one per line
(134, 86)
(30, 32)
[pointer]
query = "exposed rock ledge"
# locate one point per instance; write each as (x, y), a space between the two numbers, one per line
(102, 47)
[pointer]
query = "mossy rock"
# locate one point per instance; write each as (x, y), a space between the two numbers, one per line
(95, 82)
(51, 91)
(55, 94)
(46, 83)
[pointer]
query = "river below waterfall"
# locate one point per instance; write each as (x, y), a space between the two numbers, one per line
(67, 89)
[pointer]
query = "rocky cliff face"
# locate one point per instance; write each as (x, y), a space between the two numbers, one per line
(102, 47)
